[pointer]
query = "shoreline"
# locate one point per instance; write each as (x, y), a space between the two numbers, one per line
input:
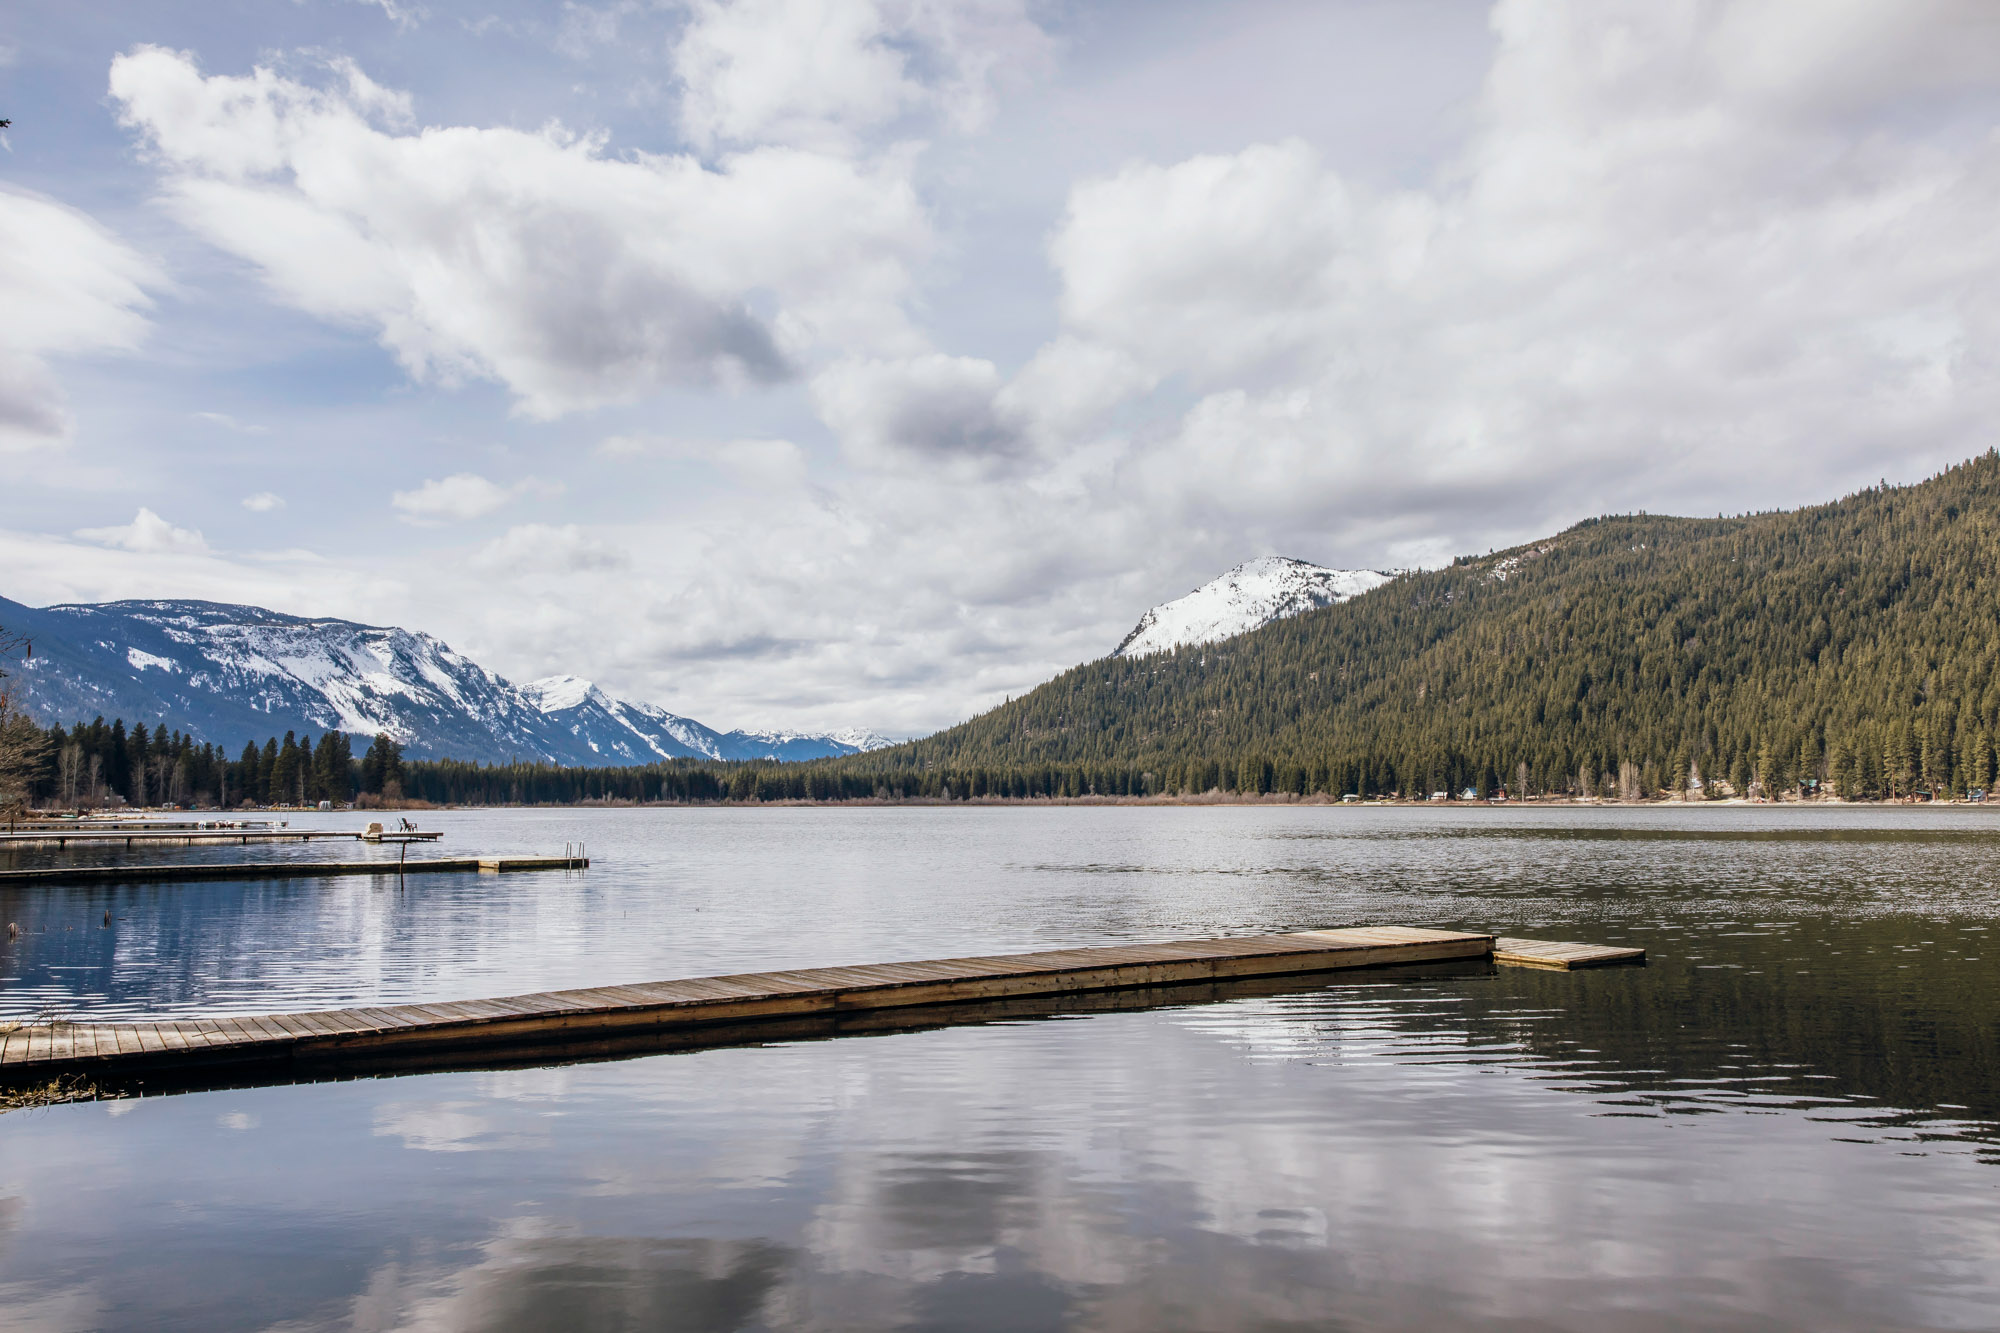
(1203, 799)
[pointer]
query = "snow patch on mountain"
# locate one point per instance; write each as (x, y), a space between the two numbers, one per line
(1252, 595)
(553, 694)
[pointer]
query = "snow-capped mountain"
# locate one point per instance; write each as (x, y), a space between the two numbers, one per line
(800, 744)
(625, 731)
(233, 674)
(1249, 596)
(614, 730)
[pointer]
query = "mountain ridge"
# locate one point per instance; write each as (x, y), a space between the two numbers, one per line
(1851, 646)
(233, 673)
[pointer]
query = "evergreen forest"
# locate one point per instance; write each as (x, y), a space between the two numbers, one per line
(95, 764)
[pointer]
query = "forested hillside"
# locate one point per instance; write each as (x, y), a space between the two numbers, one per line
(1853, 643)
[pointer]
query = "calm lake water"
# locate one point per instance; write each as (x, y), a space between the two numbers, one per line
(1789, 1119)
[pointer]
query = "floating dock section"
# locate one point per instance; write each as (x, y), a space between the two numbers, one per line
(1560, 957)
(320, 1043)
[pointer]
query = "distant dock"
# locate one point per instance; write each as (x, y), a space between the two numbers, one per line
(233, 870)
(325, 1043)
(188, 837)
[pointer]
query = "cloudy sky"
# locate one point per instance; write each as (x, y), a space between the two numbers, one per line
(861, 362)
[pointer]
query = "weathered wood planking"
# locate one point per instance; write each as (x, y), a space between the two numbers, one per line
(225, 870)
(1559, 956)
(325, 1039)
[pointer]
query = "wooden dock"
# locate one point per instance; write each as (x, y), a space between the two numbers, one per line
(321, 1043)
(233, 870)
(1560, 957)
(189, 837)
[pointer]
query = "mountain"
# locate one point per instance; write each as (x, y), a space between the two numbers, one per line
(622, 731)
(1248, 597)
(798, 745)
(232, 674)
(614, 730)
(1854, 644)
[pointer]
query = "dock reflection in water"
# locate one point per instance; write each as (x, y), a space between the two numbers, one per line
(1785, 1121)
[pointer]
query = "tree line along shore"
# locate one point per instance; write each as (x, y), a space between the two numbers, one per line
(96, 766)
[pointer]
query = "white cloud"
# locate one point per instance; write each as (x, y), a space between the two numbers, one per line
(462, 495)
(1069, 385)
(263, 502)
(766, 465)
(68, 286)
(148, 534)
(762, 463)
(821, 73)
(1214, 264)
(543, 548)
(887, 411)
(1675, 260)
(533, 259)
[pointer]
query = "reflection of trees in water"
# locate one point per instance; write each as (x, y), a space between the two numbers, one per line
(1894, 1012)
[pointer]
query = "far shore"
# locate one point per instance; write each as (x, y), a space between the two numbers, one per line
(1211, 798)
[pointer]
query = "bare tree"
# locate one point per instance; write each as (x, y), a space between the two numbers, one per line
(69, 773)
(22, 744)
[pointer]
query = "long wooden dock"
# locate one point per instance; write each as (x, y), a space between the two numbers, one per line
(189, 837)
(410, 1035)
(233, 870)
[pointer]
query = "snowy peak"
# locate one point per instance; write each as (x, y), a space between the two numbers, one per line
(1248, 597)
(555, 694)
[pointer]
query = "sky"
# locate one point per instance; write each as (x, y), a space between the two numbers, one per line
(825, 363)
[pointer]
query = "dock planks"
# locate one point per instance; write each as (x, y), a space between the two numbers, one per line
(322, 1041)
(230, 870)
(1559, 956)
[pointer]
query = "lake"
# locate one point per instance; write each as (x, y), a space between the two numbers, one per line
(1790, 1118)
